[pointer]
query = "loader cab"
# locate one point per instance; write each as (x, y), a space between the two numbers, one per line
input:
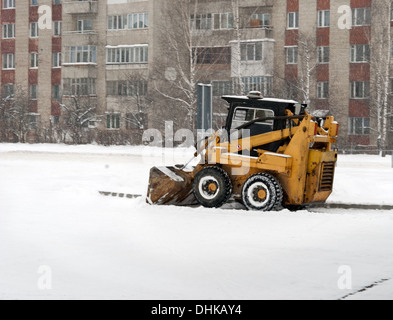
(244, 109)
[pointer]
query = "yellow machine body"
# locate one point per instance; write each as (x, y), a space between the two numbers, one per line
(303, 165)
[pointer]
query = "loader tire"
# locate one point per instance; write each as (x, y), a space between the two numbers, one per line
(212, 187)
(262, 192)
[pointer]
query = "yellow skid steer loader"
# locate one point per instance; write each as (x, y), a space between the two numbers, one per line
(272, 154)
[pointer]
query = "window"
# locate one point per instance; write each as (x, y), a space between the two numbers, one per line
(33, 60)
(8, 61)
(57, 28)
(251, 51)
(222, 88)
(223, 21)
(56, 91)
(33, 92)
(113, 121)
(201, 21)
(34, 2)
(323, 90)
(56, 59)
(84, 26)
(324, 18)
(360, 53)
(79, 86)
(360, 89)
(292, 55)
(260, 20)
(56, 2)
(138, 21)
(215, 55)
(8, 4)
(244, 115)
(132, 54)
(8, 31)
(32, 120)
(33, 29)
(323, 54)
(8, 91)
(117, 22)
(128, 21)
(359, 126)
(361, 17)
(262, 84)
(126, 88)
(80, 54)
(293, 20)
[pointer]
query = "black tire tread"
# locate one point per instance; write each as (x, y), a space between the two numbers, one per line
(227, 183)
(278, 191)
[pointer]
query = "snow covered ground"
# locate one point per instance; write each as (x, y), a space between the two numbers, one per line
(59, 239)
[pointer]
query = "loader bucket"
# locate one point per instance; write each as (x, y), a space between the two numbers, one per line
(170, 186)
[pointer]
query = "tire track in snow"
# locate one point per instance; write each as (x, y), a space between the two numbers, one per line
(375, 284)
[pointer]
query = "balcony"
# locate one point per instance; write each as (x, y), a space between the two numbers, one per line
(80, 7)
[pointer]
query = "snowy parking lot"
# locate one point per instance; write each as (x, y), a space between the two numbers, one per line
(60, 239)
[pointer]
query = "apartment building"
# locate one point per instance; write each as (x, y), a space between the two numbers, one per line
(128, 58)
(26, 57)
(344, 37)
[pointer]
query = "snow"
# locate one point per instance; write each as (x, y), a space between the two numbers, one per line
(96, 247)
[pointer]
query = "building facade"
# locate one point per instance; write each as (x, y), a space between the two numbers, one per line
(132, 64)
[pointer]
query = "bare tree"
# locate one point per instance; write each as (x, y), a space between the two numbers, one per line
(136, 101)
(300, 82)
(18, 118)
(78, 112)
(190, 58)
(236, 53)
(380, 62)
(180, 68)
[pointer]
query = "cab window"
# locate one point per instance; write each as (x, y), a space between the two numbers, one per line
(245, 115)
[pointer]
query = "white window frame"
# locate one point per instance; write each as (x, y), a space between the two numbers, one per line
(8, 31)
(292, 55)
(8, 4)
(79, 87)
(202, 21)
(323, 90)
(113, 121)
(323, 18)
(84, 26)
(33, 32)
(10, 88)
(360, 90)
(8, 62)
(33, 92)
(361, 16)
(81, 55)
(33, 60)
(56, 59)
(263, 18)
(57, 28)
(356, 123)
(323, 54)
(251, 51)
(223, 21)
(362, 50)
(263, 84)
(127, 55)
(294, 18)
